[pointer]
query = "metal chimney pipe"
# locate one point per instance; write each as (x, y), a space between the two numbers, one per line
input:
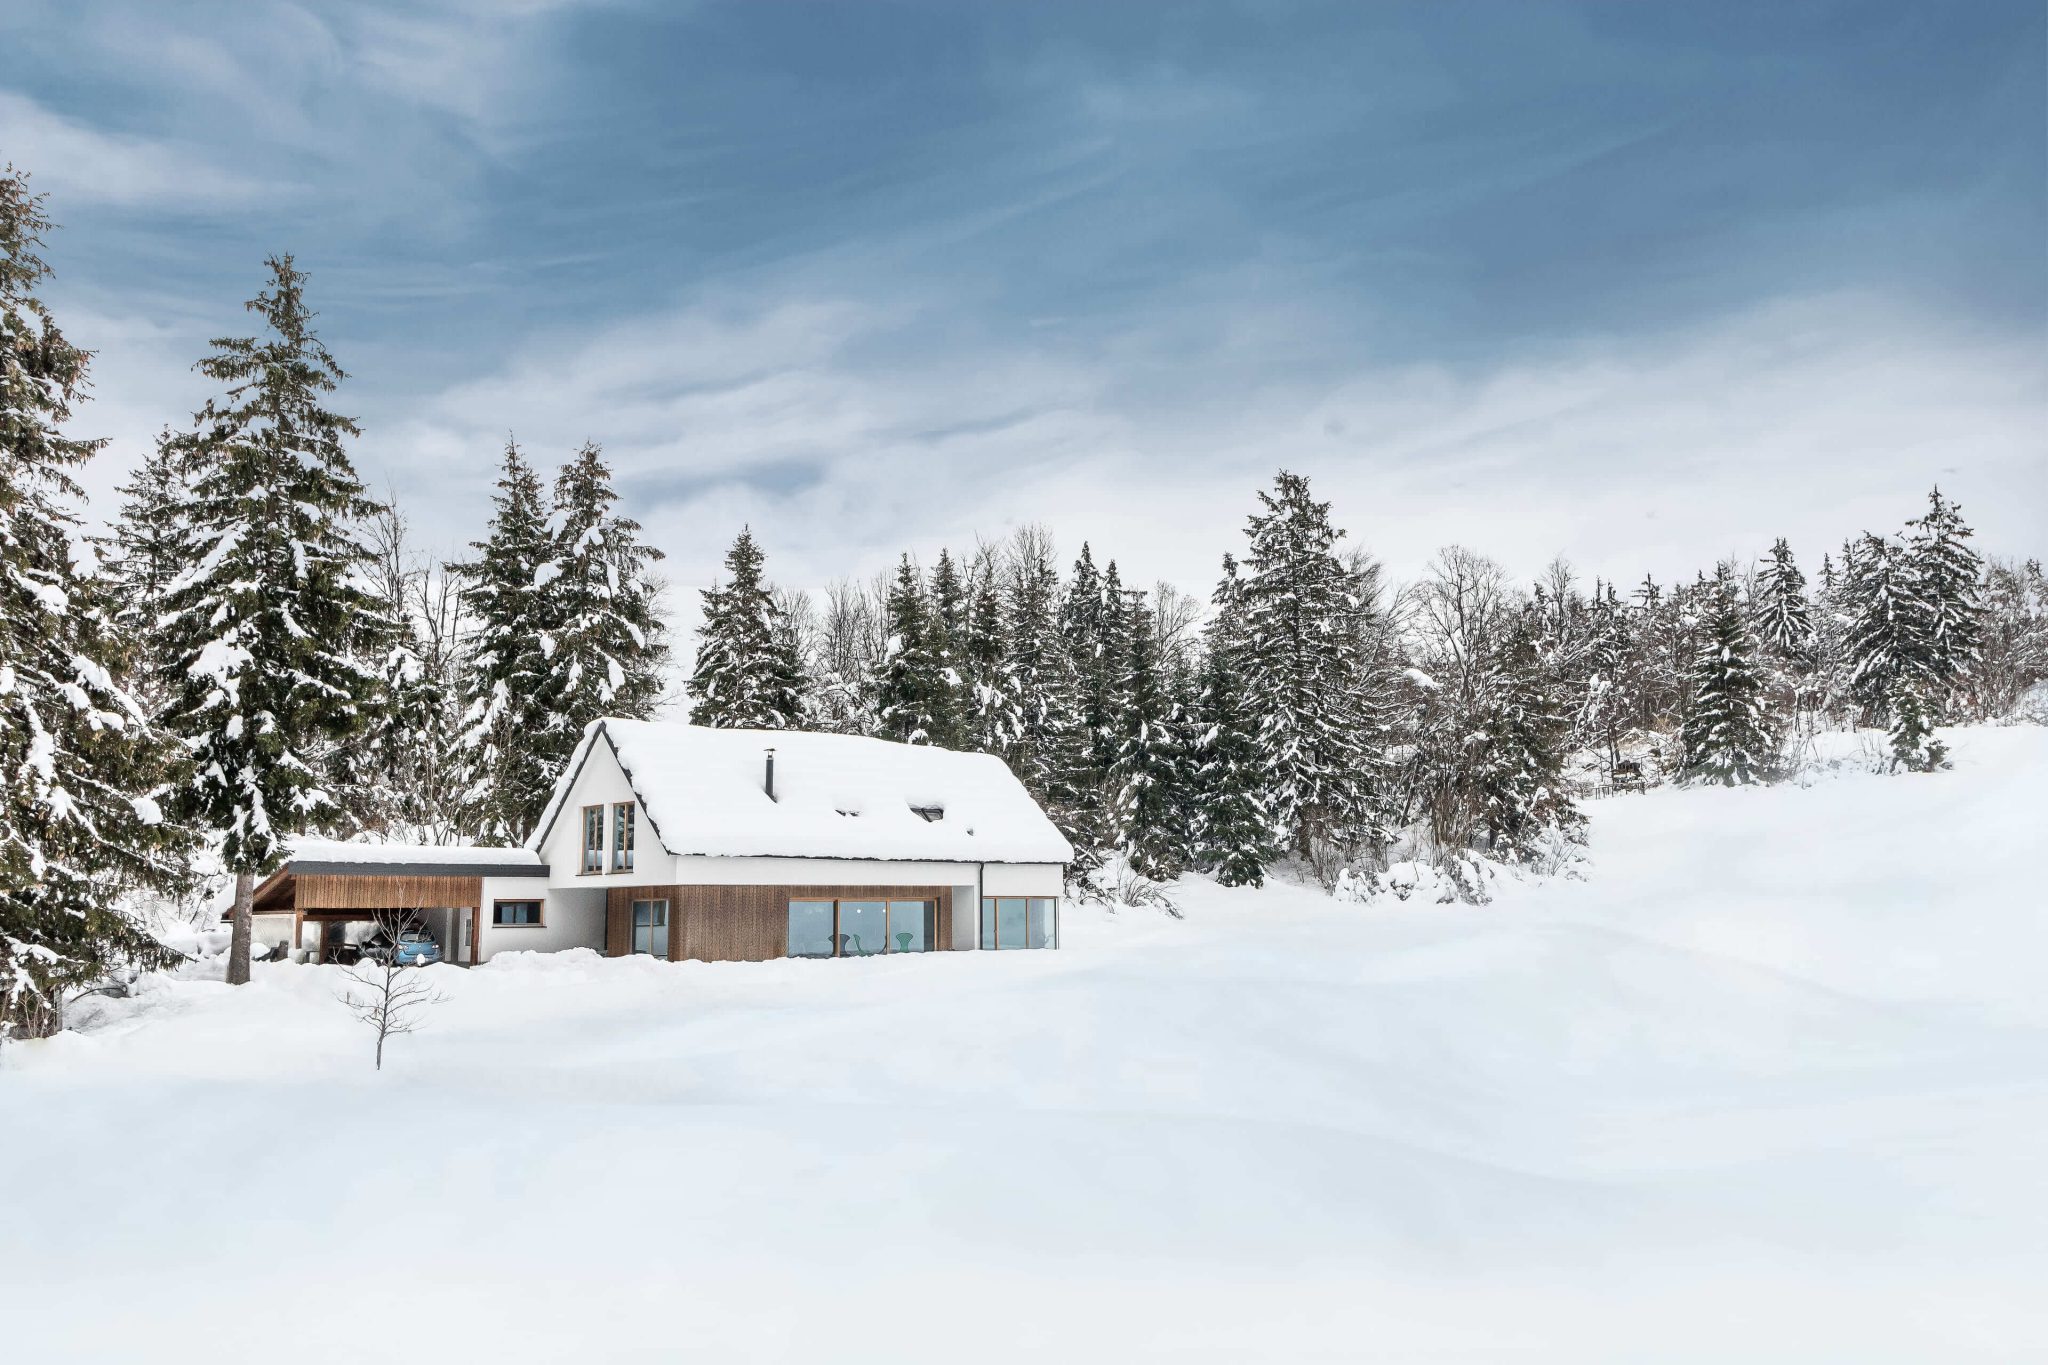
(768, 780)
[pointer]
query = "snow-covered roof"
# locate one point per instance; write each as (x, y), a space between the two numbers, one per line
(308, 855)
(836, 796)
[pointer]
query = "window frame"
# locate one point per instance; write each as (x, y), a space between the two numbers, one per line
(623, 832)
(592, 862)
(540, 913)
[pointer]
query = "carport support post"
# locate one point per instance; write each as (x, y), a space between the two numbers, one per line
(244, 928)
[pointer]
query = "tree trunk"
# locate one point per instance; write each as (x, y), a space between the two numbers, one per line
(244, 928)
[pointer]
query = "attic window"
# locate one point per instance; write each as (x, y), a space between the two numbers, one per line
(930, 814)
(849, 813)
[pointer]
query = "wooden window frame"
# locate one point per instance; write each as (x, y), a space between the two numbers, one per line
(583, 859)
(624, 829)
(540, 923)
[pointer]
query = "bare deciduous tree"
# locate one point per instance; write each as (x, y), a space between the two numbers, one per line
(388, 997)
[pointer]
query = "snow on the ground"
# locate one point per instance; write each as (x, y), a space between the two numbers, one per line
(1772, 1085)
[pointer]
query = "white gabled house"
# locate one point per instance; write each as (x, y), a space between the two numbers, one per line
(684, 842)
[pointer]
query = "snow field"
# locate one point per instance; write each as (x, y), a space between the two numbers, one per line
(1770, 1086)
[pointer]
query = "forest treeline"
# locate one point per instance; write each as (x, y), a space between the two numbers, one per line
(252, 651)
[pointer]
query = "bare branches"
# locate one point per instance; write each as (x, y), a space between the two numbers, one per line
(390, 998)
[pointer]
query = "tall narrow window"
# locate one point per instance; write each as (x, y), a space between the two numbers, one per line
(622, 837)
(593, 838)
(650, 928)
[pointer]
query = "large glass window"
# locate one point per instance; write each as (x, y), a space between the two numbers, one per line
(861, 928)
(1041, 924)
(810, 929)
(593, 838)
(622, 837)
(1020, 922)
(912, 925)
(650, 928)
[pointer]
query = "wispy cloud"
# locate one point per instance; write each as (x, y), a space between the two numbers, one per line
(85, 166)
(1810, 419)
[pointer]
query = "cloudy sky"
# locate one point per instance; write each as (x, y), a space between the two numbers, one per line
(1645, 284)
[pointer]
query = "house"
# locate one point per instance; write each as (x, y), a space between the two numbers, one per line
(684, 842)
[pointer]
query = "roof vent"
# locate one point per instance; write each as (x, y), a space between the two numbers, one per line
(768, 776)
(930, 814)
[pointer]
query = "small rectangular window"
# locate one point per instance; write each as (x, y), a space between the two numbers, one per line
(593, 838)
(516, 913)
(622, 837)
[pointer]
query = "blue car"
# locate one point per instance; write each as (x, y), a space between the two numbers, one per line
(415, 948)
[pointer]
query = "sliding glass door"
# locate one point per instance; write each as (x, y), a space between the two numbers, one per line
(861, 928)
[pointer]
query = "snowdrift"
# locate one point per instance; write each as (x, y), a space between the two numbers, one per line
(1769, 1086)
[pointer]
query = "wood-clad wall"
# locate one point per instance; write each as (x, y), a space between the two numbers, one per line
(746, 923)
(329, 892)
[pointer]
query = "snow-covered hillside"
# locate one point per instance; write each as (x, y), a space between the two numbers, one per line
(1771, 1086)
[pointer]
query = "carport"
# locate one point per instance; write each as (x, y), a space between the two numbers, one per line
(324, 883)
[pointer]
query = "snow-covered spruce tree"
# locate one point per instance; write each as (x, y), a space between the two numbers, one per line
(992, 717)
(265, 624)
(139, 561)
(1726, 735)
(1233, 829)
(1913, 743)
(80, 764)
(916, 702)
(1304, 677)
(608, 645)
(1784, 622)
(1948, 577)
(507, 769)
(1050, 752)
(748, 676)
(1888, 644)
(1605, 707)
(1832, 624)
(1519, 765)
(1149, 801)
(2015, 652)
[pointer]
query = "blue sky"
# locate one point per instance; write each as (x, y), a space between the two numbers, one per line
(1645, 284)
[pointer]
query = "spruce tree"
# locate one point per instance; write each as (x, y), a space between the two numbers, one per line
(1518, 759)
(992, 717)
(1304, 677)
(1949, 581)
(1888, 634)
(509, 772)
(264, 625)
(1050, 751)
(914, 698)
(1233, 831)
(1726, 736)
(1784, 624)
(748, 676)
(139, 562)
(80, 824)
(607, 645)
(1149, 805)
(1913, 743)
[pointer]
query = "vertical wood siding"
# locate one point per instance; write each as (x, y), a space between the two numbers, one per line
(747, 923)
(328, 892)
